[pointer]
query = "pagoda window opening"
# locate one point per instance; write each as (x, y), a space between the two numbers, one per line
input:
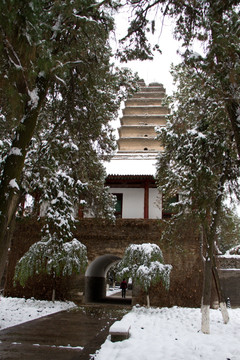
(145, 149)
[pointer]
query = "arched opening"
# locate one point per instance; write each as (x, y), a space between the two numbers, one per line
(95, 277)
(145, 149)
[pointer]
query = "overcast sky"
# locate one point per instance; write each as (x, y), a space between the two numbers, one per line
(158, 69)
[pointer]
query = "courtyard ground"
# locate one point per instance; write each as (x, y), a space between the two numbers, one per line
(155, 333)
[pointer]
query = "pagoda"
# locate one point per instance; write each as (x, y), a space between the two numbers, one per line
(131, 172)
(141, 115)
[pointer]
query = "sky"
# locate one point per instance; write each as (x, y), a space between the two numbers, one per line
(156, 70)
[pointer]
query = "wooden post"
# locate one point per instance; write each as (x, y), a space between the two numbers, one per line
(146, 200)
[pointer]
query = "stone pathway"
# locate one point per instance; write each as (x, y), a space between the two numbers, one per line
(69, 335)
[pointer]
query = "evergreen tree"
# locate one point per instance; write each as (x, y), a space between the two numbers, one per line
(54, 78)
(144, 264)
(58, 253)
(200, 159)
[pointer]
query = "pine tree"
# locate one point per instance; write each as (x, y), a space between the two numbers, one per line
(52, 53)
(200, 159)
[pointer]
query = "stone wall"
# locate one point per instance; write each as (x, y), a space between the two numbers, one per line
(103, 238)
(229, 273)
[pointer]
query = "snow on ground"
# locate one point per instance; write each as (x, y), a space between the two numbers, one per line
(14, 311)
(174, 334)
(155, 333)
(112, 291)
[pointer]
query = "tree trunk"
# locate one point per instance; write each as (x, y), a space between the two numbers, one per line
(12, 170)
(221, 298)
(53, 287)
(148, 301)
(211, 231)
(53, 295)
(206, 297)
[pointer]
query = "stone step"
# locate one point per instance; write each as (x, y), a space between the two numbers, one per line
(143, 102)
(145, 110)
(118, 332)
(143, 120)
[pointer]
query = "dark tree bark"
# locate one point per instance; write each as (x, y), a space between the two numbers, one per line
(9, 194)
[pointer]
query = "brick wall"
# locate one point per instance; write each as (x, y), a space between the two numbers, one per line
(102, 238)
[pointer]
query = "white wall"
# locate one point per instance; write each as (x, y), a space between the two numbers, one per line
(133, 203)
(155, 204)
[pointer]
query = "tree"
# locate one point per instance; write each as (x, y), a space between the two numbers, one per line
(144, 264)
(199, 160)
(213, 23)
(55, 74)
(58, 253)
(216, 25)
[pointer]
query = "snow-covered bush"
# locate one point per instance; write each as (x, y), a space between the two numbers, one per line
(144, 264)
(53, 257)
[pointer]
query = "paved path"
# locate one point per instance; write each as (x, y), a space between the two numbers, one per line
(67, 335)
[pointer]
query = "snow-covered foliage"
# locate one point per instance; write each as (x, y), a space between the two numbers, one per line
(58, 253)
(52, 257)
(154, 273)
(200, 158)
(144, 264)
(59, 90)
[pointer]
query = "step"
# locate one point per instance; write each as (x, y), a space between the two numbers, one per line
(119, 332)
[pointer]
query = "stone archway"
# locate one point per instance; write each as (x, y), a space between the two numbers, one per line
(95, 277)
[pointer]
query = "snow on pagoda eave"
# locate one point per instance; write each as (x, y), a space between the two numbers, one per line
(132, 164)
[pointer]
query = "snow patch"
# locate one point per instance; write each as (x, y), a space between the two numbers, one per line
(174, 334)
(14, 311)
(34, 98)
(15, 151)
(13, 184)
